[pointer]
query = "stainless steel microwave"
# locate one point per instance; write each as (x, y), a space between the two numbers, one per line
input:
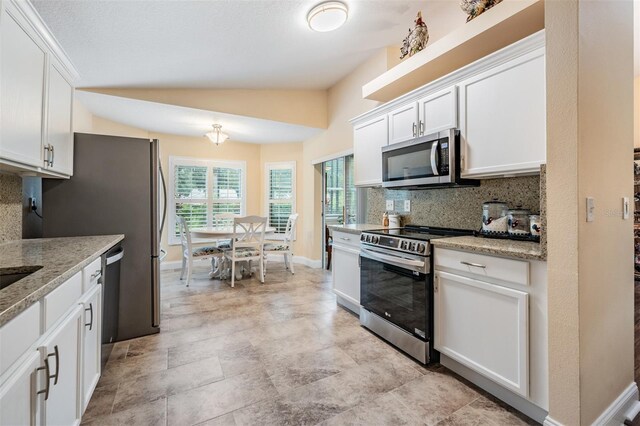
(430, 161)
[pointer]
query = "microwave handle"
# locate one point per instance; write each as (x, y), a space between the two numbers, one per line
(434, 161)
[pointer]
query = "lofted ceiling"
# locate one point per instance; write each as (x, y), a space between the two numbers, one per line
(176, 120)
(248, 44)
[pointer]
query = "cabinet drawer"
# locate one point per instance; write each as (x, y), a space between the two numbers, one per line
(91, 274)
(18, 335)
(483, 266)
(346, 239)
(61, 299)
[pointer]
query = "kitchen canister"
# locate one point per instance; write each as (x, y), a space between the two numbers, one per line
(535, 228)
(394, 221)
(494, 217)
(518, 221)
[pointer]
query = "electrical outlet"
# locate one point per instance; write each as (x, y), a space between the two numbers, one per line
(407, 206)
(390, 205)
(591, 209)
(625, 207)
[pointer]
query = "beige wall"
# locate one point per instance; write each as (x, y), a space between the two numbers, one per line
(344, 102)
(85, 122)
(301, 107)
(589, 264)
(636, 111)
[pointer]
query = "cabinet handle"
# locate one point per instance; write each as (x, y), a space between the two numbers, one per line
(47, 385)
(415, 130)
(53, 155)
(421, 128)
(57, 355)
(345, 239)
(96, 275)
(90, 309)
(436, 281)
(475, 265)
(47, 152)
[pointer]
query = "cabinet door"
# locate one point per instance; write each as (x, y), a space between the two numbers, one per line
(19, 403)
(403, 123)
(503, 119)
(368, 140)
(62, 348)
(485, 327)
(59, 135)
(346, 273)
(92, 336)
(22, 76)
(438, 111)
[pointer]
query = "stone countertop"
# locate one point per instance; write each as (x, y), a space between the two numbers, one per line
(508, 248)
(60, 258)
(356, 228)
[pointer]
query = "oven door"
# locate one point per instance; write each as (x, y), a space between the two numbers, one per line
(395, 290)
(411, 163)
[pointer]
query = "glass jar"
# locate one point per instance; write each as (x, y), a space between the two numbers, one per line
(494, 217)
(534, 225)
(518, 221)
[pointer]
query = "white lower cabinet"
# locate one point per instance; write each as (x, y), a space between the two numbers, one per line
(62, 352)
(19, 403)
(92, 336)
(345, 270)
(485, 327)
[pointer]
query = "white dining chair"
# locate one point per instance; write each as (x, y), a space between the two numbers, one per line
(284, 246)
(248, 243)
(189, 253)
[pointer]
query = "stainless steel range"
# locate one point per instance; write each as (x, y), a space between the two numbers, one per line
(396, 286)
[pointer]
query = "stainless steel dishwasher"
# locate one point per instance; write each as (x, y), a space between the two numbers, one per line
(110, 299)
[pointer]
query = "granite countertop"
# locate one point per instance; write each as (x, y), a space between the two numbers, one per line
(356, 228)
(508, 248)
(60, 258)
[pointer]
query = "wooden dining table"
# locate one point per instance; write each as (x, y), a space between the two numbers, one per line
(226, 233)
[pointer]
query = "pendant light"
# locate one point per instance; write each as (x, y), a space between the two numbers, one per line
(216, 136)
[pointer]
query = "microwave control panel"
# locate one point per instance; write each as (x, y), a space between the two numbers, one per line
(444, 157)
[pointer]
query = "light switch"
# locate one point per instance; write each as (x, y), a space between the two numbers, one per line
(591, 209)
(389, 205)
(625, 207)
(407, 206)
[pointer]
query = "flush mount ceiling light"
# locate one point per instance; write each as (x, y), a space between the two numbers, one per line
(216, 136)
(328, 16)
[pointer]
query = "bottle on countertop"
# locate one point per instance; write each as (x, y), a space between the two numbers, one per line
(385, 219)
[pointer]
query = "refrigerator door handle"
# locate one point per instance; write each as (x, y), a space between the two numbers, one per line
(164, 200)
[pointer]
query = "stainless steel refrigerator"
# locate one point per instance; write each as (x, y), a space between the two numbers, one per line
(117, 187)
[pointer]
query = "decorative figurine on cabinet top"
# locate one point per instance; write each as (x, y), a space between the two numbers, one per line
(474, 8)
(417, 38)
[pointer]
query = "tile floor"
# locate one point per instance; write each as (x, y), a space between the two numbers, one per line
(281, 353)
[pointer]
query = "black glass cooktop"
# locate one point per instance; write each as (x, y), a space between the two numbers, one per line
(422, 232)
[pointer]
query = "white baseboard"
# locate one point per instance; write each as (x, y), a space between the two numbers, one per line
(298, 260)
(548, 421)
(616, 413)
(625, 407)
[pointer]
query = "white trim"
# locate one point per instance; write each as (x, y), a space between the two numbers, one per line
(300, 260)
(330, 157)
(280, 165)
(615, 414)
(548, 421)
(209, 201)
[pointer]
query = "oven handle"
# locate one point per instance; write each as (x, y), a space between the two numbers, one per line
(434, 152)
(393, 260)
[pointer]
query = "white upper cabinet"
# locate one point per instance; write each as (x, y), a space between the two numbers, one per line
(403, 123)
(368, 139)
(22, 73)
(36, 92)
(59, 135)
(503, 118)
(438, 111)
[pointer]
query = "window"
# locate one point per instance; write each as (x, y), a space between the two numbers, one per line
(281, 193)
(200, 189)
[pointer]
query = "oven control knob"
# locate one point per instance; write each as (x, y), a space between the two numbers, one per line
(421, 248)
(404, 245)
(375, 239)
(414, 247)
(363, 237)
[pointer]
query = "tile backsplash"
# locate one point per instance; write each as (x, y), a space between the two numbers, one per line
(455, 207)
(10, 207)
